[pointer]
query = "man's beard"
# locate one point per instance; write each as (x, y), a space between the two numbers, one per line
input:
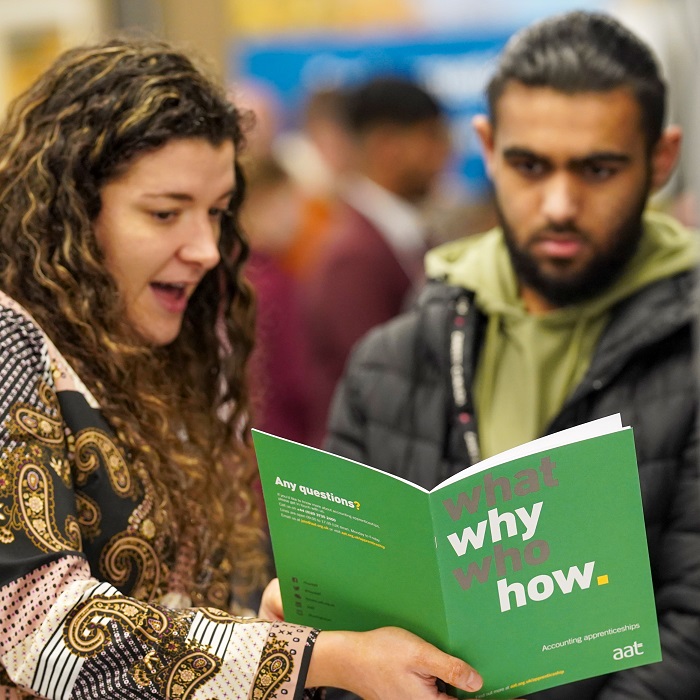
(598, 275)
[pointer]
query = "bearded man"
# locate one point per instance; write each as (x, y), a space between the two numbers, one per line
(578, 305)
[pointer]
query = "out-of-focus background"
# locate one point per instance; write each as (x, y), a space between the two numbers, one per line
(279, 53)
(291, 63)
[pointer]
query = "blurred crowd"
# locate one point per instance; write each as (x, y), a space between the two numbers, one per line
(340, 213)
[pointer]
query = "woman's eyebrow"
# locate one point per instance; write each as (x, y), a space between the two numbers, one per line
(184, 196)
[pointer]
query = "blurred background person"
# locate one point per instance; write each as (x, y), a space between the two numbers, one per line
(271, 217)
(372, 261)
(265, 113)
(670, 28)
(316, 155)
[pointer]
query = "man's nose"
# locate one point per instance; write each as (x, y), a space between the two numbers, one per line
(560, 200)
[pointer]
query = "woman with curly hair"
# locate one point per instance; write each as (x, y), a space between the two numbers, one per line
(128, 517)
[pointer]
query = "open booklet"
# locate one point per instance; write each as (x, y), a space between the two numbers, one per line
(531, 565)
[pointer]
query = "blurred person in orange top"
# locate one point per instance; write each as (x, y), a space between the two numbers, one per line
(317, 156)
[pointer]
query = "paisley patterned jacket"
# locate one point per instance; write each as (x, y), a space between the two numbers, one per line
(85, 560)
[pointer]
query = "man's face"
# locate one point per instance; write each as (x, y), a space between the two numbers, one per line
(421, 158)
(571, 175)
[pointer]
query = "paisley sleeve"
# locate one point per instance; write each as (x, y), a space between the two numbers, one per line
(65, 634)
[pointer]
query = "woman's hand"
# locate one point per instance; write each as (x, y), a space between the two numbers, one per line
(386, 664)
(383, 664)
(271, 602)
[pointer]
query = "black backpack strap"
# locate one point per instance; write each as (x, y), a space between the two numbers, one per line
(463, 325)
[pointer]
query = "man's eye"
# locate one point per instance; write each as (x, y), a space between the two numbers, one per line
(529, 168)
(597, 172)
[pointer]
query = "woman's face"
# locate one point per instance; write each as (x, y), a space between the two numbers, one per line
(159, 228)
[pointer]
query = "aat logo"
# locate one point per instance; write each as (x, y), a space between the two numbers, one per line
(628, 652)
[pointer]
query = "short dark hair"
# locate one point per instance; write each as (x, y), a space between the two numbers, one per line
(583, 52)
(389, 100)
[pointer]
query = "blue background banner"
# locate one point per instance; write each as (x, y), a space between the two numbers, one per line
(453, 67)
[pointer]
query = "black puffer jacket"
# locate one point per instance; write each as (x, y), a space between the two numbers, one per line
(393, 410)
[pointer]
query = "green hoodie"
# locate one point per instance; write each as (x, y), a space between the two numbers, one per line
(531, 363)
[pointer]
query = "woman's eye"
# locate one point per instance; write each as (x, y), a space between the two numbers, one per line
(217, 213)
(163, 215)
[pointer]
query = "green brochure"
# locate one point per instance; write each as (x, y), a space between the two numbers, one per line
(531, 565)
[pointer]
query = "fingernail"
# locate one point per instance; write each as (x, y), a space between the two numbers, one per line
(475, 681)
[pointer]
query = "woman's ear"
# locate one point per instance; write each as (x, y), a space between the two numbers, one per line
(665, 156)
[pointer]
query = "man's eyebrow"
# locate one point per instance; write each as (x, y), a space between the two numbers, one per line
(514, 152)
(520, 152)
(607, 156)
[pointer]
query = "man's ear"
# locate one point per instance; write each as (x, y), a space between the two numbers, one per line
(665, 156)
(484, 131)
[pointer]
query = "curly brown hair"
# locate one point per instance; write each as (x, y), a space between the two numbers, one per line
(81, 124)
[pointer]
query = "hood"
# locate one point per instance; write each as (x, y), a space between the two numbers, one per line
(481, 263)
